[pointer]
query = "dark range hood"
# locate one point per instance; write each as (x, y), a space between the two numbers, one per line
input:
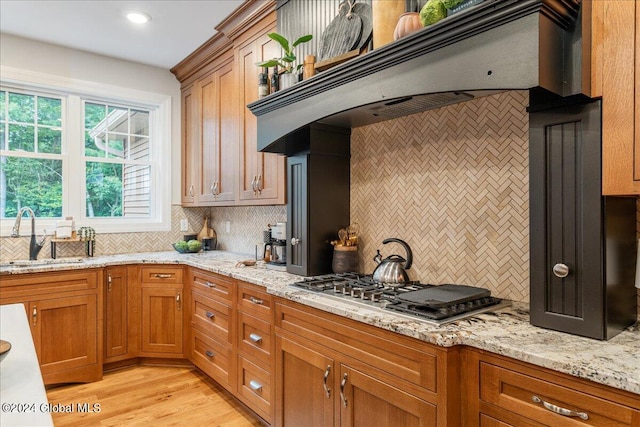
(495, 46)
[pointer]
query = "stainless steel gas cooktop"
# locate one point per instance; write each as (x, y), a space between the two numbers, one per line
(436, 304)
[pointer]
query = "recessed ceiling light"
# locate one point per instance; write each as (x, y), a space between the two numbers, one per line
(138, 17)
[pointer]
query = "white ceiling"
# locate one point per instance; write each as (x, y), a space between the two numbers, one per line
(176, 29)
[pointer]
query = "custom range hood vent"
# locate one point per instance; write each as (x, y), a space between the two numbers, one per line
(495, 46)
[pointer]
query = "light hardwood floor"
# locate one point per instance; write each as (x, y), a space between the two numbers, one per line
(150, 396)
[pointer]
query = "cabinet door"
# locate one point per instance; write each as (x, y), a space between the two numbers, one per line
(261, 174)
(189, 146)
(304, 386)
(65, 332)
(366, 401)
(566, 220)
(217, 163)
(297, 211)
(116, 311)
(161, 319)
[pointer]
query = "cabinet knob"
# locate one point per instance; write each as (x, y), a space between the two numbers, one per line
(210, 315)
(294, 241)
(561, 270)
(209, 353)
(255, 338)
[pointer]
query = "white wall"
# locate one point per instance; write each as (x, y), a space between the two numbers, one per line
(40, 57)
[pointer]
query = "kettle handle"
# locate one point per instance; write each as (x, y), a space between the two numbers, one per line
(406, 248)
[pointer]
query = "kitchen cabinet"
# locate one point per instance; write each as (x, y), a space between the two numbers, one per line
(503, 392)
(65, 316)
(220, 161)
(254, 349)
(121, 313)
(189, 147)
(212, 326)
(161, 297)
(318, 178)
(583, 245)
(261, 175)
(332, 371)
(115, 312)
(613, 30)
(210, 136)
(217, 166)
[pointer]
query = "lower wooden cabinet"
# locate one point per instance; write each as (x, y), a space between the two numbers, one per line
(331, 371)
(162, 312)
(503, 392)
(65, 314)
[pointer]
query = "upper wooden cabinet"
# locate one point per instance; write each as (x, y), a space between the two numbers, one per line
(220, 161)
(612, 33)
(261, 174)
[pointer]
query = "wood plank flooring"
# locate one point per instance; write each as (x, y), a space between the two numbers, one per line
(150, 396)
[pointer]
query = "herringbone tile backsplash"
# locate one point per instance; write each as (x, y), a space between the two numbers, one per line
(453, 183)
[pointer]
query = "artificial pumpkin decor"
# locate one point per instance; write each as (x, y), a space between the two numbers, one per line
(408, 23)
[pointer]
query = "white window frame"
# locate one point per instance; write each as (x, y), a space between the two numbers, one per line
(74, 92)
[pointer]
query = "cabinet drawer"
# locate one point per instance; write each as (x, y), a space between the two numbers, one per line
(213, 285)
(398, 357)
(23, 286)
(255, 301)
(254, 386)
(525, 395)
(213, 357)
(254, 338)
(211, 317)
(161, 275)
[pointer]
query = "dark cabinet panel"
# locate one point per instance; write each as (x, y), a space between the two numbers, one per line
(583, 245)
(318, 197)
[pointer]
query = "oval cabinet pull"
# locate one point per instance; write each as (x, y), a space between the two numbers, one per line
(255, 300)
(210, 285)
(559, 410)
(255, 338)
(327, 390)
(561, 270)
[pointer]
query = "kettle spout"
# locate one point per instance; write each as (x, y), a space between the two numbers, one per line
(378, 257)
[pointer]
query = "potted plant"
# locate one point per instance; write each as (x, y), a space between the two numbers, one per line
(289, 71)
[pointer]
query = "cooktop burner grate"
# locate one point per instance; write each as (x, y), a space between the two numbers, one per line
(436, 303)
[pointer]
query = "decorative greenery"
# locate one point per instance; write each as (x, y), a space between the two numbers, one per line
(286, 62)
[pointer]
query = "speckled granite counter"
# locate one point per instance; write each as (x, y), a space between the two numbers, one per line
(507, 332)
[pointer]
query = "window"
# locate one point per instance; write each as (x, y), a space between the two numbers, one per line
(99, 158)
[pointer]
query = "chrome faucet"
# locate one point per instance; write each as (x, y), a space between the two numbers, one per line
(34, 246)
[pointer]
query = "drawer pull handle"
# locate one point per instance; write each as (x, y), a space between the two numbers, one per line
(343, 383)
(34, 316)
(255, 338)
(210, 315)
(209, 353)
(256, 300)
(210, 285)
(255, 386)
(162, 276)
(327, 390)
(559, 410)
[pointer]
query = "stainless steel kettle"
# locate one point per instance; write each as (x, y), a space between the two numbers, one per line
(393, 268)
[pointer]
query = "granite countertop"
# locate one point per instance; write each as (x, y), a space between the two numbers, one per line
(615, 362)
